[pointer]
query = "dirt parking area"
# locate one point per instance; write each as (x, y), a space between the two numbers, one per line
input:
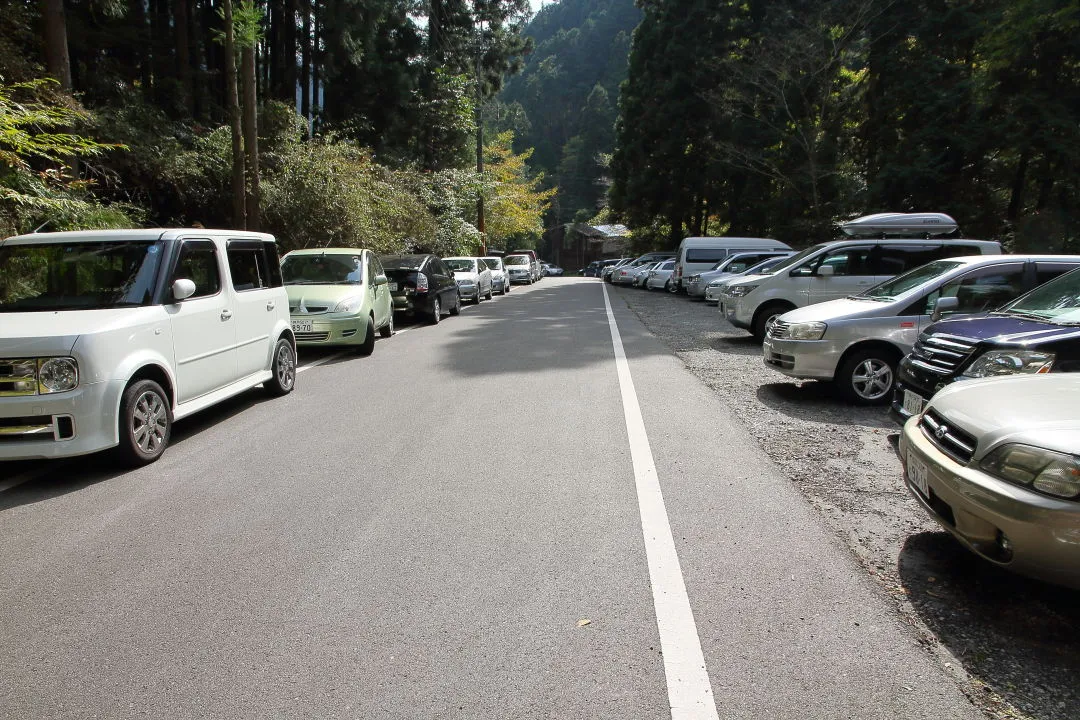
(1013, 644)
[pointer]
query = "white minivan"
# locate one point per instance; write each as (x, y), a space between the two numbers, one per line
(108, 336)
(698, 254)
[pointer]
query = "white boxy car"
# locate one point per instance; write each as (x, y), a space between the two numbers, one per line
(107, 337)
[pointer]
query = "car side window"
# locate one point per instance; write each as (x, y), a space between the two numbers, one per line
(198, 263)
(371, 272)
(273, 265)
(247, 266)
(436, 267)
(845, 261)
(980, 290)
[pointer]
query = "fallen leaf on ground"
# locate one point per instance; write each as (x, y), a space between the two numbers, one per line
(584, 622)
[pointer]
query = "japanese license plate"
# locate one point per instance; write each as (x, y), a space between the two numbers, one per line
(303, 326)
(913, 403)
(917, 473)
(392, 286)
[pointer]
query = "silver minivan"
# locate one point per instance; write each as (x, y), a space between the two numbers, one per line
(857, 341)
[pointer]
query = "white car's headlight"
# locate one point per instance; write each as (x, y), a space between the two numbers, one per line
(1010, 362)
(57, 375)
(349, 305)
(807, 331)
(1047, 471)
(741, 290)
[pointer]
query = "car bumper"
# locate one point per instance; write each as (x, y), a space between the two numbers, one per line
(469, 292)
(815, 359)
(712, 295)
(351, 330)
(63, 425)
(979, 510)
(695, 289)
(731, 310)
(520, 277)
(912, 386)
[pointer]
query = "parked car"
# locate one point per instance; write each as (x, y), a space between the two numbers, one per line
(996, 462)
(519, 268)
(857, 342)
(534, 263)
(472, 276)
(421, 285)
(641, 274)
(500, 278)
(697, 283)
(715, 288)
(553, 270)
(605, 272)
(624, 274)
(338, 296)
(660, 276)
(1035, 334)
(698, 254)
(107, 337)
(592, 269)
(832, 270)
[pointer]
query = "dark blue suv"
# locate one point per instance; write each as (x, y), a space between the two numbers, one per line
(1037, 333)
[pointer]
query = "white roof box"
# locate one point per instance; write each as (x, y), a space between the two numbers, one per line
(909, 224)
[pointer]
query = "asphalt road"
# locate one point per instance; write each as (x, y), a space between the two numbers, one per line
(451, 528)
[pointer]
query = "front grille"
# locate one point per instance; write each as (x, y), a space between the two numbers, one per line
(941, 354)
(949, 439)
(779, 330)
(311, 309)
(780, 360)
(18, 377)
(37, 427)
(312, 336)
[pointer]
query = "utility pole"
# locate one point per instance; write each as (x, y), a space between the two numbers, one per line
(480, 225)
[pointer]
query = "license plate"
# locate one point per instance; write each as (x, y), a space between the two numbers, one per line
(303, 326)
(392, 286)
(917, 473)
(913, 403)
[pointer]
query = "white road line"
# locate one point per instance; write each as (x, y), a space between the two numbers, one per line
(689, 690)
(319, 362)
(30, 475)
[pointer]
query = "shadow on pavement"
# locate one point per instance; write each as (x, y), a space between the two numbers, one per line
(1001, 610)
(821, 402)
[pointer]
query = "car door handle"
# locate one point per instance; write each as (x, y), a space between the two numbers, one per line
(226, 314)
(270, 306)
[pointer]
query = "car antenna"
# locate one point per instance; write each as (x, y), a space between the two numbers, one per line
(42, 225)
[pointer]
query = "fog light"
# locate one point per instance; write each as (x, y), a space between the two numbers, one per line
(1005, 547)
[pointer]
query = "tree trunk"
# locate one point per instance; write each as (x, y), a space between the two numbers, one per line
(57, 57)
(1019, 180)
(305, 66)
(251, 134)
(181, 16)
(232, 102)
(288, 54)
(316, 72)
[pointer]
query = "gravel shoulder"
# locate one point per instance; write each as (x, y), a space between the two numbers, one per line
(1012, 644)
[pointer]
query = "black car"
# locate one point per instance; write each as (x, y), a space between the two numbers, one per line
(1037, 333)
(421, 285)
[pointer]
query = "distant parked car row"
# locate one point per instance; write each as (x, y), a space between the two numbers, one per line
(995, 459)
(108, 337)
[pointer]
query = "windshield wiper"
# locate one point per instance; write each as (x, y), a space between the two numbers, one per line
(1026, 315)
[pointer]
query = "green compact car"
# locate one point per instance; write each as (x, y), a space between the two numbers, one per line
(338, 296)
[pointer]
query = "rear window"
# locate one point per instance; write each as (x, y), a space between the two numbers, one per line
(517, 260)
(402, 262)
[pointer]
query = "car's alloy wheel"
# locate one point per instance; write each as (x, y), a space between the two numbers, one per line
(867, 378)
(436, 312)
(456, 308)
(387, 330)
(283, 369)
(146, 423)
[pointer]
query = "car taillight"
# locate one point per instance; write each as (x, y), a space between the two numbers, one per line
(678, 271)
(421, 282)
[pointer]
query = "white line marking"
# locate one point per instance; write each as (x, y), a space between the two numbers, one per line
(689, 690)
(319, 362)
(31, 475)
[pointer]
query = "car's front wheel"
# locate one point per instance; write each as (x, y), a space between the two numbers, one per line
(368, 346)
(387, 330)
(436, 312)
(867, 377)
(283, 369)
(145, 423)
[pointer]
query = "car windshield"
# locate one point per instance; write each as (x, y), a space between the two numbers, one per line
(1057, 301)
(516, 260)
(78, 275)
(322, 269)
(461, 265)
(794, 259)
(402, 262)
(492, 263)
(897, 286)
(762, 268)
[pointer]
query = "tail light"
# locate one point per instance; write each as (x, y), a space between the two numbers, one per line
(421, 283)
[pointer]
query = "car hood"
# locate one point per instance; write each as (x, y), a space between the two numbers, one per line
(1035, 410)
(1006, 329)
(841, 309)
(748, 280)
(459, 275)
(55, 333)
(329, 295)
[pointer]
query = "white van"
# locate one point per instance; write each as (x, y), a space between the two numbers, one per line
(697, 254)
(837, 269)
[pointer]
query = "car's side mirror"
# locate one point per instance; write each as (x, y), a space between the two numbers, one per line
(942, 306)
(826, 271)
(182, 289)
(380, 280)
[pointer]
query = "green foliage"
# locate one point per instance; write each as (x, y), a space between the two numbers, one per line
(514, 197)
